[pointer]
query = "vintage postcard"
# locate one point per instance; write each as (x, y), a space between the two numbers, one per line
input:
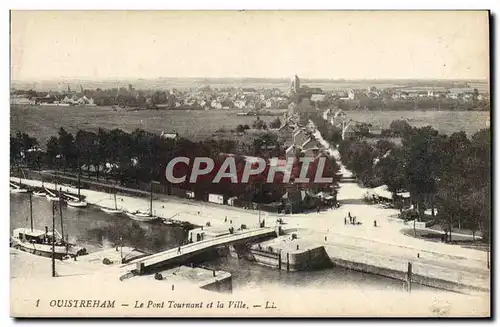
(250, 164)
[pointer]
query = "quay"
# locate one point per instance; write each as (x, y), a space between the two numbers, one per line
(381, 250)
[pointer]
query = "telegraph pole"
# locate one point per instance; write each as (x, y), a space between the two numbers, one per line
(31, 210)
(61, 215)
(53, 240)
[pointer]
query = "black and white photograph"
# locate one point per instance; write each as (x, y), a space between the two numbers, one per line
(250, 163)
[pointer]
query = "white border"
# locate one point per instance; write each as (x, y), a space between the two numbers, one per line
(184, 4)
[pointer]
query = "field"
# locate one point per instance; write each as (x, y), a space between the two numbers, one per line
(45, 121)
(446, 122)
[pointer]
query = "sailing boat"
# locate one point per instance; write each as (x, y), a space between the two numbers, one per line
(51, 196)
(14, 188)
(44, 243)
(74, 201)
(145, 216)
(17, 189)
(40, 193)
(111, 211)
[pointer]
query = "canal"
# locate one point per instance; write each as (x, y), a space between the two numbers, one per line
(96, 230)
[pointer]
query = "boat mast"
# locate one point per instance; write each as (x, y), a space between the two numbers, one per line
(60, 213)
(79, 172)
(151, 198)
(31, 211)
(53, 240)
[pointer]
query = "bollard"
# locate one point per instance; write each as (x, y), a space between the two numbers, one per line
(279, 260)
(408, 277)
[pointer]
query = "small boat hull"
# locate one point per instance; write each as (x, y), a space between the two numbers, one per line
(52, 198)
(45, 250)
(40, 194)
(18, 190)
(142, 217)
(112, 211)
(77, 204)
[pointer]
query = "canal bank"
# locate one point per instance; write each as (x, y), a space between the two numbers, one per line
(360, 246)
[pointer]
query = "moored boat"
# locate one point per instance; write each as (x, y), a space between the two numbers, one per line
(142, 216)
(18, 190)
(114, 211)
(145, 216)
(76, 204)
(40, 243)
(39, 194)
(52, 197)
(111, 211)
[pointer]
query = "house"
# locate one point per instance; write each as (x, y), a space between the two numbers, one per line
(299, 137)
(465, 92)
(290, 151)
(170, 136)
(318, 98)
(375, 130)
(311, 151)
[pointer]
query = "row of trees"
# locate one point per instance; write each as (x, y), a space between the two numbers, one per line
(449, 173)
(140, 156)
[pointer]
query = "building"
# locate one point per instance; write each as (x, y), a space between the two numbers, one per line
(170, 136)
(294, 85)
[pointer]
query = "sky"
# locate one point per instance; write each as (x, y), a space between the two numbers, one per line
(272, 44)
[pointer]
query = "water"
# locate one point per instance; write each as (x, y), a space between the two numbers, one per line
(96, 230)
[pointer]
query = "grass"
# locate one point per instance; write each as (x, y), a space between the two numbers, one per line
(45, 121)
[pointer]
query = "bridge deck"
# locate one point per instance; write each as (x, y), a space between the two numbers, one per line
(197, 247)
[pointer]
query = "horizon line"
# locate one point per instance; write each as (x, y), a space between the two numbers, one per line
(249, 77)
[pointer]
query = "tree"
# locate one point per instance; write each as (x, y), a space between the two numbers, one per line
(259, 124)
(240, 128)
(85, 143)
(400, 127)
(275, 123)
(420, 163)
(52, 150)
(66, 148)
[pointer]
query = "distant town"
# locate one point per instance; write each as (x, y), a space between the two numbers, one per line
(443, 95)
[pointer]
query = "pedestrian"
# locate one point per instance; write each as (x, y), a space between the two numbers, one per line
(231, 222)
(179, 249)
(297, 246)
(225, 219)
(345, 220)
(325, 238)
(374, 223)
